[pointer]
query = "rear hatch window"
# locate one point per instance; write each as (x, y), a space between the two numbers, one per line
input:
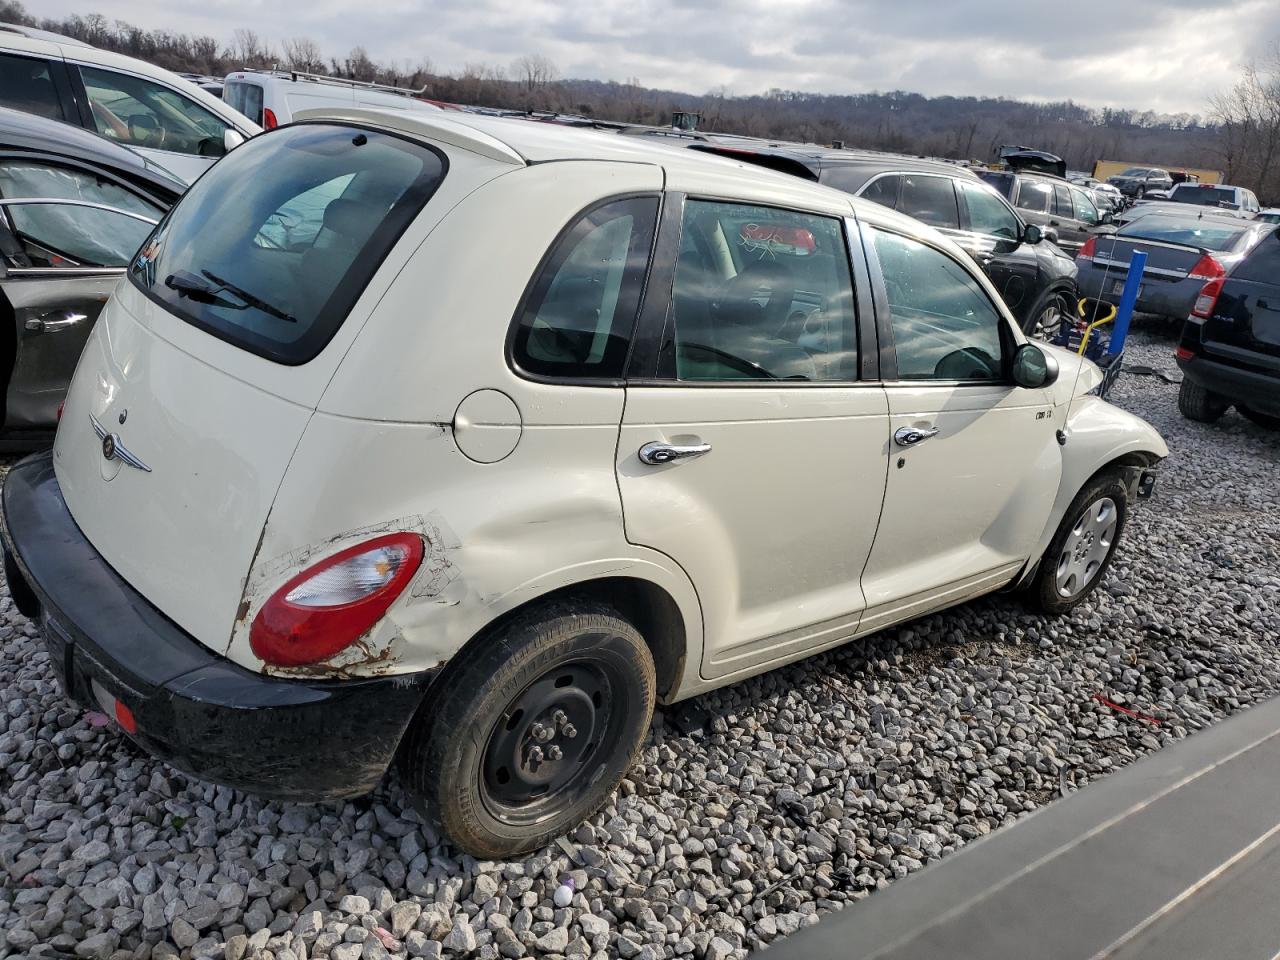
(244, 97)
(270, 249)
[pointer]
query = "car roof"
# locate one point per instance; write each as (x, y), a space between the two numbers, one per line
(30, 133)
(34, 33)
(520, 142)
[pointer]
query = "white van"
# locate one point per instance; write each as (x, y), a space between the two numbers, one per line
(271, 97)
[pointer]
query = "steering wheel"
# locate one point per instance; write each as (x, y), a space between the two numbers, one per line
(967, 363)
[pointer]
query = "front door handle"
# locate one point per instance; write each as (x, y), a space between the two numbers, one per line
(53, 322)
(657, 452)
(910, 436)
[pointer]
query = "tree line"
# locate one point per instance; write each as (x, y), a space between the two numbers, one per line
(1241, 135)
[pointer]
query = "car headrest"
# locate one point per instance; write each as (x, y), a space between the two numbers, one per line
(347, 218)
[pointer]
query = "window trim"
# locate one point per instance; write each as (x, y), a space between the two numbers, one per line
(661, 376)
(531, 285)
(888, 344)
(897, 194)
(966, 220)
(955, 193)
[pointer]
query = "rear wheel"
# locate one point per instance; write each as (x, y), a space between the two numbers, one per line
(1081, 550)
(1197, 403)
(1261, 419)
(532, 732)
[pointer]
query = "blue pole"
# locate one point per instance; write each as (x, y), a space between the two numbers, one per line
(1124, 312)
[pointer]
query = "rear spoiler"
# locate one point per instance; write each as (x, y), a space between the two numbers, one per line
(423, 124)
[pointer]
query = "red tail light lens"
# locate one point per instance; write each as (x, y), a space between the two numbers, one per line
(1207, 268)
(330, 605)
(1208, 298)
(1182, 353)
(1090, 248)
(269, 121)
(58, 415)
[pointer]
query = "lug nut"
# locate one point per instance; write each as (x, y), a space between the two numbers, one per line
(569, 730)
(554, 752)
(560, 718)
(541, 732)
(535, 754)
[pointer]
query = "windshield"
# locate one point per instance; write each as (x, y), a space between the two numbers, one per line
(244, 97)
(270, 249)
(1203, 196)
(1180, 230)
(1135, 172)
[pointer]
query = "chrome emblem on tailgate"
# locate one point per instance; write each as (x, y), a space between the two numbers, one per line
(113, 447)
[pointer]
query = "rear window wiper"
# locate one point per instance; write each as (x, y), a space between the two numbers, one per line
(189, 285)
(255, 302)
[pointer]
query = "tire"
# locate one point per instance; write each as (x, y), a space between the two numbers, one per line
(1141, 192)
(469, 755)
(1197, 403)
(1045, 320)
(1083, 545)
(1261, 419)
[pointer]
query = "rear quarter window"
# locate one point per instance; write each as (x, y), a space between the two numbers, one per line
(1262, 265)
(270, 249)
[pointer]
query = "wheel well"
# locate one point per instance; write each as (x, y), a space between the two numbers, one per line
(649, 607)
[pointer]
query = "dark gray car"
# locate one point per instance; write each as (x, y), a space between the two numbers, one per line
(1183, 253)
(1137, 182)
(1065, 211)
(74, 207)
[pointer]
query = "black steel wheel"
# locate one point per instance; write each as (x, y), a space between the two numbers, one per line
(532, 728)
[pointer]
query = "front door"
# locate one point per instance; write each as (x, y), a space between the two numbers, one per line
(756, 457)
(974, 460)
(65, 236)
(992, 235)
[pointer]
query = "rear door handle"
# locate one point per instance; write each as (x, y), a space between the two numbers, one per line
(53, 322)
(656, 452)
(910, 436)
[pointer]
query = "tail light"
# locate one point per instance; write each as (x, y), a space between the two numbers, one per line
(330, 605)
(269, 121)
(1208, 298)
(58, 415)
(1090, 248)
(1183, 353)
(1207, 268)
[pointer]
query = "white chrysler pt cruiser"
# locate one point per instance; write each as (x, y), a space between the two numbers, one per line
(463, 440)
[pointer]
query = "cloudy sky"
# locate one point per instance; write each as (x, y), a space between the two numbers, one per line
(1163, 55)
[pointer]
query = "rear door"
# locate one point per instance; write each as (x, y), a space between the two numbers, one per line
(66, 234)
(1245, 326)
(752, 448)
(1069, 231)
(38, 84)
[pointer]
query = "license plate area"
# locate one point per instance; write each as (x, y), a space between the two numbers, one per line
(1117, 288)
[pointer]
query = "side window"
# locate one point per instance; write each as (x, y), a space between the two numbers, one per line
(93, 221)
(883, 190)
(578, 318)
(1262, 263)
(944, 325)
(930, 199)
(27, 85)
(988, 213)
(761, 293)
(141, 113)
(1034, 196)
(1086, 212)
(1062, 201)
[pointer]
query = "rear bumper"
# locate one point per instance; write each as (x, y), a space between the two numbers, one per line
(1169, 298)
(199, 712)
(1257, 391)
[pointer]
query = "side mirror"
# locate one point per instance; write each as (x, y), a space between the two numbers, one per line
(231, 139)
(1106, 217)
(1033, 367)
(1031, 233)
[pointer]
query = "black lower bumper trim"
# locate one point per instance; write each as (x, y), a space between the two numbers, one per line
(203, 714)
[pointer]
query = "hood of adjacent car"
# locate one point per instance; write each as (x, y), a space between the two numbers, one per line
(1076, 374)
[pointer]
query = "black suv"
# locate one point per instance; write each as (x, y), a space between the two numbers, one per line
(1037, 280)
(1230, 349)
(1065, 211)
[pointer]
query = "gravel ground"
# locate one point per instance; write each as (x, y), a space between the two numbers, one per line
(753, 810)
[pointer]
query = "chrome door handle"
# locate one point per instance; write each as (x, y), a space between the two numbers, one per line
(910, 436)
(656, 452)
(53, 322)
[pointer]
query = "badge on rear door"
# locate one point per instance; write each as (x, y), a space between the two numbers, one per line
(114, 449)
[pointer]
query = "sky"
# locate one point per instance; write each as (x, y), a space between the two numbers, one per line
(1169, 56)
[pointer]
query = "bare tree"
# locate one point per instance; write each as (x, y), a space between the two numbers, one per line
(534, 73)
(248, 49)
(1248, 120)
(302, 54)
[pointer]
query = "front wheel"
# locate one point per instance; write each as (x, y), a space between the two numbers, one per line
(533, 730)
(1081, 550)
(1048, 316)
